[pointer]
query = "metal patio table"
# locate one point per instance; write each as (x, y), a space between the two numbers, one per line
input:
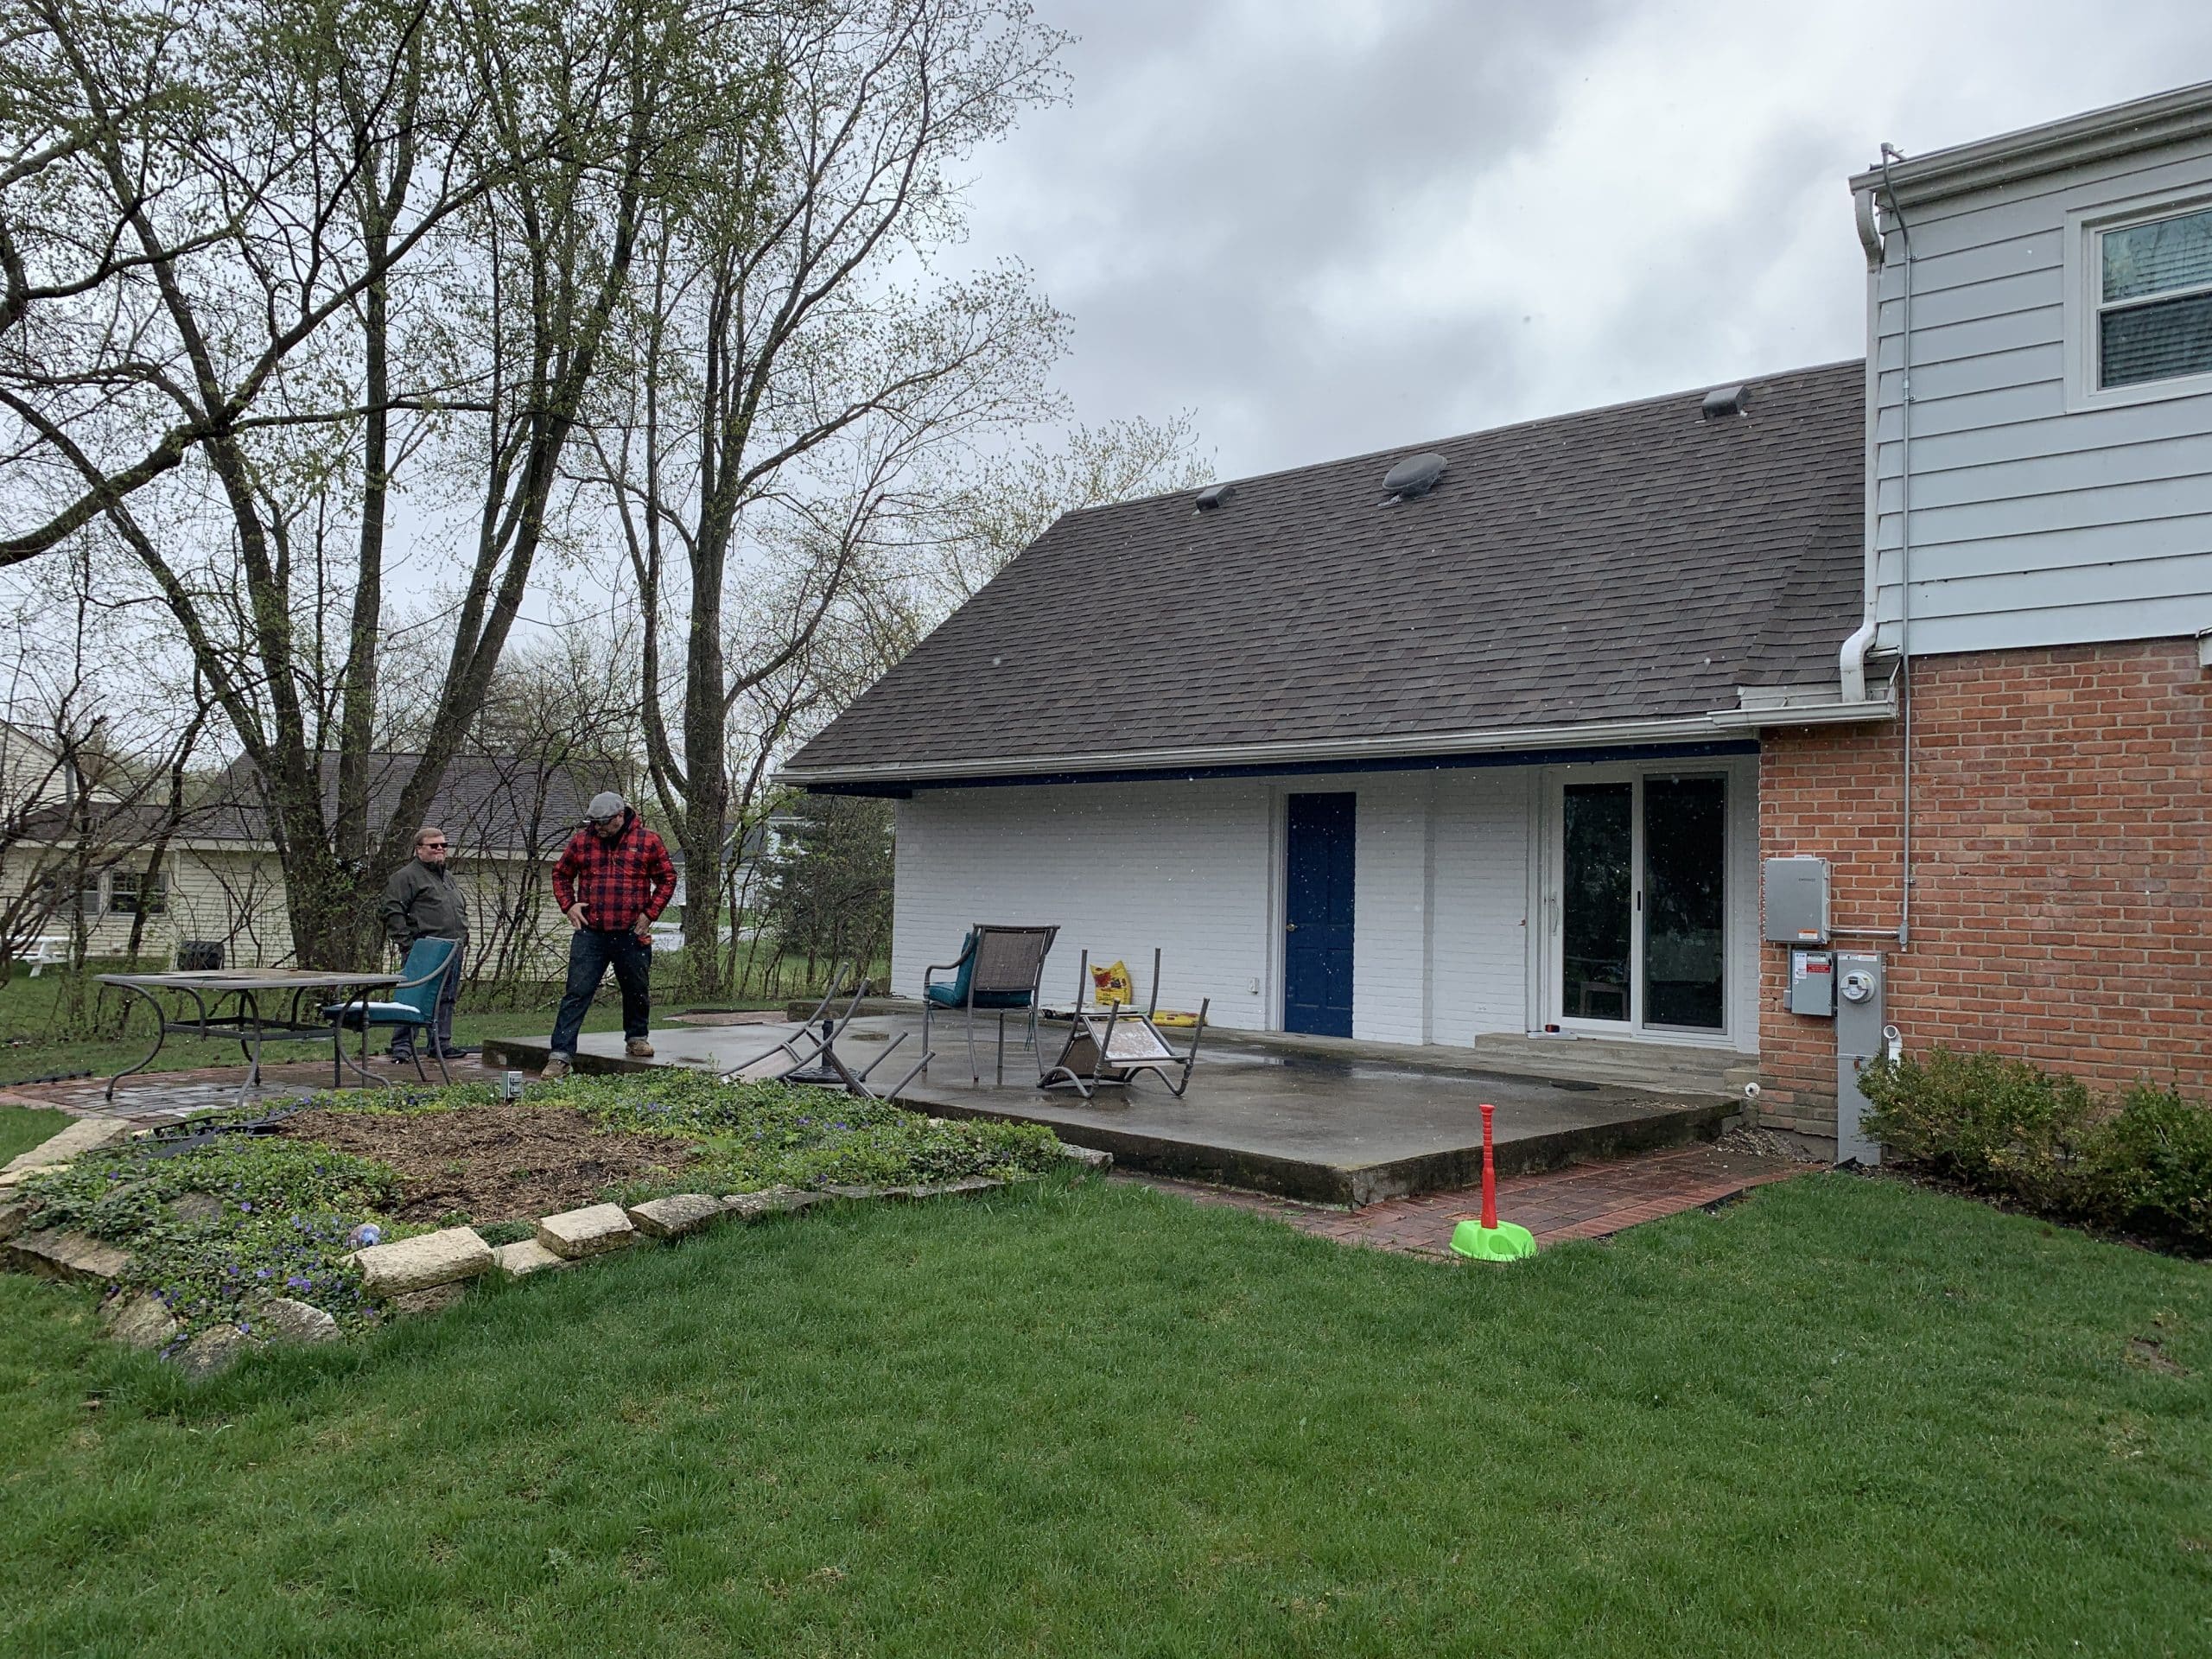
(261, 1010)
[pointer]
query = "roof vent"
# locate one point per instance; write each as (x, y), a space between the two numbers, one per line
(1415, 475)
(1215, 496)
(1725, 401)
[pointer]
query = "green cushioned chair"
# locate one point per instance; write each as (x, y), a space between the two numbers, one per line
(414, 1002)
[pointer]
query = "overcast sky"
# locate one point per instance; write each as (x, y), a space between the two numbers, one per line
(1327, 226)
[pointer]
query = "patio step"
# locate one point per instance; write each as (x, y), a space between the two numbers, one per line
(1624, 1064)
(1651, 1068)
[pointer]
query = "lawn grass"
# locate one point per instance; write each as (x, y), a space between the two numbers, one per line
(22, 1128)
(1843, 1417)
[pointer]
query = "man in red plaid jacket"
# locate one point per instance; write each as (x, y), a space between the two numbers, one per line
(613, 878)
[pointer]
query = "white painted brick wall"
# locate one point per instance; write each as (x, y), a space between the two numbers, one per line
(1479, 979)
(1121, 868)
(1441, 931)
(1390, 909)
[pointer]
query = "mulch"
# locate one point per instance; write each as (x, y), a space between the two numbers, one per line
(492, 1163)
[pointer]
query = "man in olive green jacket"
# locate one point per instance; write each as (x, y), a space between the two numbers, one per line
(423, 901)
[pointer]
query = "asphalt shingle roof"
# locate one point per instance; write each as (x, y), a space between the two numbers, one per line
(1631, 562)
(488, 804)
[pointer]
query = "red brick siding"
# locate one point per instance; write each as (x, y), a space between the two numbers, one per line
(2062, 903)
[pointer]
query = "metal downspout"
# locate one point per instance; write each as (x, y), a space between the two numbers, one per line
(1851, 661)
(1889, 153)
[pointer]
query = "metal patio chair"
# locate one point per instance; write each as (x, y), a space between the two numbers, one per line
(998, 970)
(1107, 1047)
(812, 1055)
(414, 1001)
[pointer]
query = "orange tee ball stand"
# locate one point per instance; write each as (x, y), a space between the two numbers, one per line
(1490, 1240)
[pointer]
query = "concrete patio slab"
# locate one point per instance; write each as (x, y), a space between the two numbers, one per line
(1342, 1126)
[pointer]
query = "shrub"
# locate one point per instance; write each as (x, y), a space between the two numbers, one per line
(2148, 1167)
(1997, 1125)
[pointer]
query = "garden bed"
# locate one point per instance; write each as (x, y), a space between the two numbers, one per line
(299, 1229)
(493, 1162)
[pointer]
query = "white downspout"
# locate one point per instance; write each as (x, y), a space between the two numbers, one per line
(1850, 665)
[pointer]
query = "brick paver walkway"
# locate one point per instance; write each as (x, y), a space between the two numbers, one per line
(1584, 1201)
(155, 1098)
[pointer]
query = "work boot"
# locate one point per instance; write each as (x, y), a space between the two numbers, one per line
(555, 1069)
(637, 1049)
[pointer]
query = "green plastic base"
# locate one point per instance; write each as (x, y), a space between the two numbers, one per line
(1504, 1242)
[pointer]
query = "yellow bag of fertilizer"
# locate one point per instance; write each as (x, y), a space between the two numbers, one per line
(1110, 985)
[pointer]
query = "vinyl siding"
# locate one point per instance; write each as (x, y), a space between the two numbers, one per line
(237, 899)
(2036, 520)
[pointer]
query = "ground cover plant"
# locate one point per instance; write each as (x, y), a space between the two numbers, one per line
(1844, 1417)
(2139, 1164)
(215, 1229)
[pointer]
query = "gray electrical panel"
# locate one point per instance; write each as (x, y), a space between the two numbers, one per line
(1861, 1037)
(1796, 900)
(1812, 983)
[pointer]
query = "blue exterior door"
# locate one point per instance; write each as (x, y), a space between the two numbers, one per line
(1317, 915)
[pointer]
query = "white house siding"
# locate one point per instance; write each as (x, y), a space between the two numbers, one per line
(1392, 912)
(236, 898)
(1444, 876)
(1121, 868)
(2033, 523)
(1479, 945)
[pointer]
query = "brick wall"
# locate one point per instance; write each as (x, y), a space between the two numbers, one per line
(2061, 867)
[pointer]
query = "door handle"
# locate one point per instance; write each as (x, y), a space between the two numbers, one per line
(1290, 927)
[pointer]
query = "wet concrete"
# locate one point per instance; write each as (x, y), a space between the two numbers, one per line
(1333, 1128)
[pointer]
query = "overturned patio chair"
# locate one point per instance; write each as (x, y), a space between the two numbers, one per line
(998, 970)
(1107, 1046)
(414, 1001)
(811, 1057)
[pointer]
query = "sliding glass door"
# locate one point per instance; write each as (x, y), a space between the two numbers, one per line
(1638, 904)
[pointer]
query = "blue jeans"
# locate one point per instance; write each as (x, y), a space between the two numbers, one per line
(592, 951)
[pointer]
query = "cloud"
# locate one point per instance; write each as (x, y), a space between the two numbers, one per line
(1328, 228)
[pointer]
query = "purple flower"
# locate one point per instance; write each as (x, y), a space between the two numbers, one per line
(261, 1273)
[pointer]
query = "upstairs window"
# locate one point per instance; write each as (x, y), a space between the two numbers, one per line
(2154, 300)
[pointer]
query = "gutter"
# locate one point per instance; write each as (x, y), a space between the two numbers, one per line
(1494, 741)
(2170, 118)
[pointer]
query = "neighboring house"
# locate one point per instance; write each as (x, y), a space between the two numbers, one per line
(217, 886)
(1505, 755)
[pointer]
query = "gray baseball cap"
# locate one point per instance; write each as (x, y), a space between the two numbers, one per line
(605, 804)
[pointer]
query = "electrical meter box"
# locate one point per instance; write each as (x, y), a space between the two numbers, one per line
(1796, 900)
